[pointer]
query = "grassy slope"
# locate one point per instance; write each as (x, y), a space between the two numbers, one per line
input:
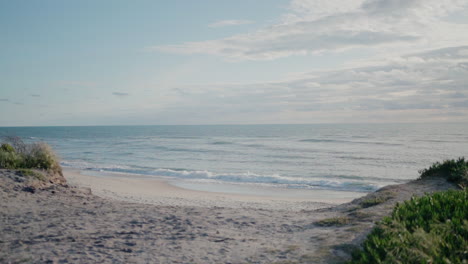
(428, 229)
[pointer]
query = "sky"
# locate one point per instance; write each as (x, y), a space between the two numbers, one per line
(119, 62)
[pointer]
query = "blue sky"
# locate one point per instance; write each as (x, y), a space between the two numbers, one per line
(233, 62)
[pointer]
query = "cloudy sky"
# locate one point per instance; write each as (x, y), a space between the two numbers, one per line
(119, 62)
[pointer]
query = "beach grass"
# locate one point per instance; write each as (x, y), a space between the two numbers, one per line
(334, 221)
(374, 201)
(15, 154)
(32, 173)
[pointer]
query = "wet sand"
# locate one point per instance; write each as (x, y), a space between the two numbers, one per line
(163, 191)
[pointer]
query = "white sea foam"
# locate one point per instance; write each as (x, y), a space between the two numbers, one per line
(247, 177)
(337, 157)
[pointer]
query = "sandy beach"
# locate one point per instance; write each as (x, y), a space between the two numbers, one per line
(120, 220)
(234, 132)
(160, 191)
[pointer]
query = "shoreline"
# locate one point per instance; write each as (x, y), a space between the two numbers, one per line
(166, 191)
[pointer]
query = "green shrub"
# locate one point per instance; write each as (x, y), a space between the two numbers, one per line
(429, 229)
(28, 156)
(41, 156)
(453, 170)
(10, 160)
(7, 148)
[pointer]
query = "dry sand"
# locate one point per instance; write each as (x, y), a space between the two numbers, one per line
(67, 224)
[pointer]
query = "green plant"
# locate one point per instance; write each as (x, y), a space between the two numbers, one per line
(9, 159)
(16, 142)
(334, 221)
(372, 201)
(28, 156)
(429, 229)
(33, 174)
(41, 156)
(380, 197)
(453, 170)
(7, 148)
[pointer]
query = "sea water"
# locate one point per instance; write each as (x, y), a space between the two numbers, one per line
(351, 158)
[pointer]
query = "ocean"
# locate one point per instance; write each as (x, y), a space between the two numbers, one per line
(355, 158)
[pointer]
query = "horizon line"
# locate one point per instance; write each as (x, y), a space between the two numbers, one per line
(270, 124)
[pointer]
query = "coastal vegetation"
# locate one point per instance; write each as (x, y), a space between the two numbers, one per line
(428, 229)
(16, 154)
(381, 198)
(334, 221)
(32, 174)
(455, 171)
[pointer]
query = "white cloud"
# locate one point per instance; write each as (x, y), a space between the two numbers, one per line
(307, 10)
(315, 26)
(224, 23)
(419, 68)
(422, 9)
(431, 84)
(120, 94)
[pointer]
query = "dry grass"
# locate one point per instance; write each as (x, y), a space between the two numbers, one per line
(334, 221)
(15, 154)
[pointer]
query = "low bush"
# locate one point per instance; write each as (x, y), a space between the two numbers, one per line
(7, 148)
(429, 229)
(41, 156)
(38, 155)
(453, 170)
(9, 159)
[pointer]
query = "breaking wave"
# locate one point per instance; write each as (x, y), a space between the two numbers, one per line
(335, 183)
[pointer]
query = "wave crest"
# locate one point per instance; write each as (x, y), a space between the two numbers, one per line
(337, 183)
